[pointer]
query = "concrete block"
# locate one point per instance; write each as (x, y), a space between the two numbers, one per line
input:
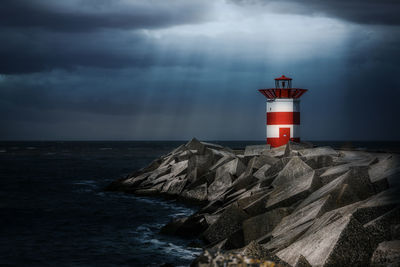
(294, 169)
(319, 151)
(235, 167)
(332, 173)
(201, 163)
(179, 168)
(260, 173)
(219, 186)
(196, 194)
(386, 254)
(174, 186)
(228, 223)
(304, 215)
(195, 144)
(357, 180)
(317, 162)
(257, 226)
(290, 193)
(381, 227)
(341, 242)
(256, 150)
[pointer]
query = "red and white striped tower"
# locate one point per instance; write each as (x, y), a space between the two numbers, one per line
(283, 112)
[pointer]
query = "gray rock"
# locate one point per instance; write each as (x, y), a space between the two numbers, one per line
(257, 206)
(159, 172)
(319, 151)
(248, 198)
(196, 194)
(201, 163)
(243, 181)
(332, 173)
(341, 242)
(357, 181)
(386, 254)
(275, 168)
(275, 152)
(234, 167)
(228, 223)
(294, 169)
(135, 181)
(381, 227)
(256, 150)
(179, 168)
(195, 144)
(257, 226)
(318, 162)
(260, 173)
(290, 193)
(174, 186)
(159, 180)
(221, 161)
(304, 215)
(219, 186)
(281, 241)
(302, 262)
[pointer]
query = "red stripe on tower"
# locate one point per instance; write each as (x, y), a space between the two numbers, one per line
(283, 118)
(283, 112)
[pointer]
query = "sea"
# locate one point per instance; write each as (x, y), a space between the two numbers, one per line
(54, 210)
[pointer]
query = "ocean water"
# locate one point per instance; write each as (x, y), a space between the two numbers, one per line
(54, 211)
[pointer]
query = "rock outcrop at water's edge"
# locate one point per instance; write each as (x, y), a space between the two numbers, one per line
(295, 205)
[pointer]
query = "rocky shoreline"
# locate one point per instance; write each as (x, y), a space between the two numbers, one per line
(296, 205)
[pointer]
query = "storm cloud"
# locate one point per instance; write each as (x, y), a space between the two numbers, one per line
(176, 69)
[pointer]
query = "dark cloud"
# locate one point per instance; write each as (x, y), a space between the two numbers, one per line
(91, 15)
(105, 69)
(359, 11)
(36, 50)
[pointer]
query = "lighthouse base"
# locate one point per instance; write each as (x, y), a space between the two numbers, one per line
(276, 142)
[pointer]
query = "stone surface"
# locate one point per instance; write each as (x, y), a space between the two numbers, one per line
(356, 178)
(200, 163)
(228, 223)
(319, 151)
(386, 254)
(343, 242)
(304, 215)
(257, 206)
(381, 227)
(295, 168)
(195, 144)
(174, 186)
(260, 173)
(234, 167)
(310, 206)
(257, 226)
(219, 186)
(317, 162)
(290, 193)
(255, 150)
(197, 194)
(332, 173)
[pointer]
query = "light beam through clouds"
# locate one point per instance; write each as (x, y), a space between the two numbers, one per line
(126, 70)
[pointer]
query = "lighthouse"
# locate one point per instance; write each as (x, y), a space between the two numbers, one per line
(283, 112)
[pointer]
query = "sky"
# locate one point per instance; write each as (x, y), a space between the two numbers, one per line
(177, 69)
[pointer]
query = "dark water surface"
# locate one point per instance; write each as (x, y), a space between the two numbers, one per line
(54, 211)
